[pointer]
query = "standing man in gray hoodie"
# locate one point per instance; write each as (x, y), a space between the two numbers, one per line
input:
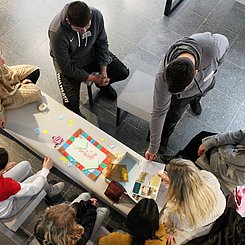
(185, 74)
(79, 47)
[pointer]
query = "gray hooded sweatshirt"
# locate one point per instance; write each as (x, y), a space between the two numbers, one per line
(208, 50)
(227, 159)
(71, 50)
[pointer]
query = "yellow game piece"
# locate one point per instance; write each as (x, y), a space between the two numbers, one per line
(45, 131)
(119, 156)
(70, 122)
(124, 174)
(102, 139)
(64, 159)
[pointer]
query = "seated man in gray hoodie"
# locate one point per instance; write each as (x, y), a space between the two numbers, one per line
(222, 154)
(79, 48)
(185, 74)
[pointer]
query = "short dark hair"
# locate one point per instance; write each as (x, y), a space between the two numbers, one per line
(143, 221)
(78, 14)
(179, 74)
(4, 157)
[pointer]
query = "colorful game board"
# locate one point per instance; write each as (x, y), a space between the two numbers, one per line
(86, 154)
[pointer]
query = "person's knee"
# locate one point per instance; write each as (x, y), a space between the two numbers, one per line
(103, 212)
(26, 165)
(35, 92)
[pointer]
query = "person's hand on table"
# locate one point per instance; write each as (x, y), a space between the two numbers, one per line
(47, 163)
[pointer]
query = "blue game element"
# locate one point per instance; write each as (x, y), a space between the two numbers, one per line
(85, 135)
(96, 172)
(72, 160)
(86, 172)
(92, 141)
(65, 146)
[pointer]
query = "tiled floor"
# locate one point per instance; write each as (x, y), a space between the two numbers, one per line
(139, 34)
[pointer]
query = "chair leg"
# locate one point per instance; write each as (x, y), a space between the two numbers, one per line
(118, 116)
(90, 95)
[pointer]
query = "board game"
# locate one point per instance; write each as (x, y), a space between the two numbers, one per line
(86, 154)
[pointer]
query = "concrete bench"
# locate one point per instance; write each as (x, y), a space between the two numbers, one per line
(10, 225)
(137, 96)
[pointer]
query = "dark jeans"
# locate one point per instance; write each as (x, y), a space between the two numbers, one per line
(176, 110)
(34, 76)
(191, 149)
(70, 88)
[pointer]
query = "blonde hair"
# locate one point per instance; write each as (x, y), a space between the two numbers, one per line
(59, 226)
(189, 196)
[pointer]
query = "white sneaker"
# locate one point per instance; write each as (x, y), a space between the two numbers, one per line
(56, 189)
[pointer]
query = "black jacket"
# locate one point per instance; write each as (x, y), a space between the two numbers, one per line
(86, 216)
(71, 50)
(228, 229)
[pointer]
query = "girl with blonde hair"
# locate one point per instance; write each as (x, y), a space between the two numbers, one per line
(194, 201)
(65, 224)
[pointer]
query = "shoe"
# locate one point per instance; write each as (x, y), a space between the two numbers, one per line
(196, 108)
(166, 159)
(108, 92)
(55, 189)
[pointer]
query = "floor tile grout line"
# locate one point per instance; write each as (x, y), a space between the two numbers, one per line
(234, 117)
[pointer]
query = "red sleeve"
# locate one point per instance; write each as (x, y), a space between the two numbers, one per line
(8, 187)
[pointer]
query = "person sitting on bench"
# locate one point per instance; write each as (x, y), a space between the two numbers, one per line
(70, 224)
(17, 86)
(143, 227)
(224, 155)
(18, 184)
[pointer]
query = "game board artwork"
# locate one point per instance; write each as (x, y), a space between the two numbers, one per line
(86, 154)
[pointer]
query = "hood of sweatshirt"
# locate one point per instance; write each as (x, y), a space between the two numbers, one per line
(185, 45)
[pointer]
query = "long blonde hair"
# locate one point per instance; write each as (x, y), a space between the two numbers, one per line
(59, 226)
(189, 196)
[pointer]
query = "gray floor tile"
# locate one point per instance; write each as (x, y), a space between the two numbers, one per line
(218, 110)
(12, 58)
(131, 137)
(230, 81)
(238, 121)
(118, 45)
(142, 60)
(183, 22)
(132, 30)
(229, 15)
(158, 40)
(215, 27)
(185, 130)
(23, 37)
(236, 52)
(202, 8)
(9, 20)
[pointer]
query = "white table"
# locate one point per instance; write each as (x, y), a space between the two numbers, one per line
(21, 124)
